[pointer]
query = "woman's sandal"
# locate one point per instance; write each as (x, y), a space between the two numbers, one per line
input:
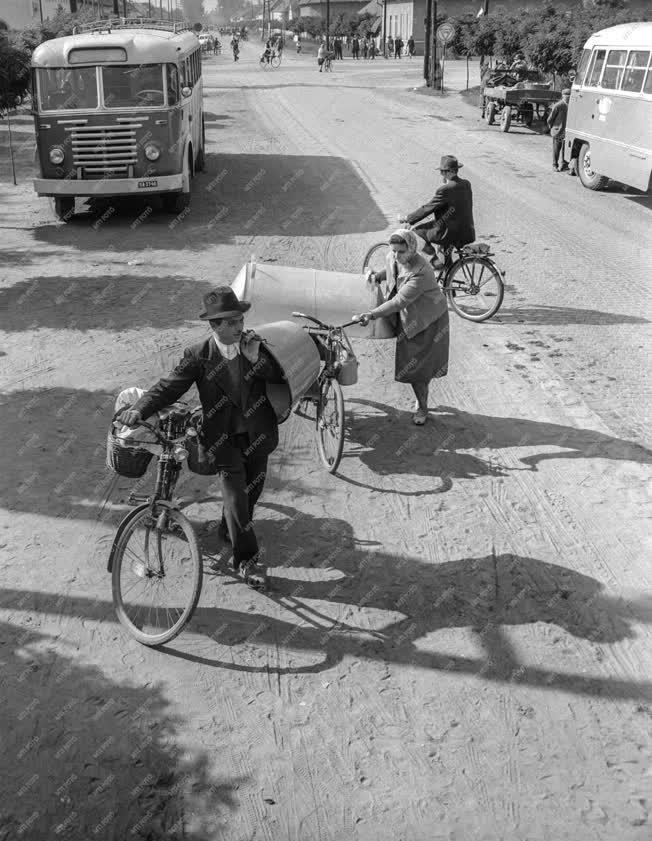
(420, 417)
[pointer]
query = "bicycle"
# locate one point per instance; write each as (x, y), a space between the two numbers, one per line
(328, 63)
(340, 368)
(155, 561)
(472, 282)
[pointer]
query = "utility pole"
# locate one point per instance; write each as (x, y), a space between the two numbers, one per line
(385, 28)
(116, 8)
(328, 24)
(430, 66)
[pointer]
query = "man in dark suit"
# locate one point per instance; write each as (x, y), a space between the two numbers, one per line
(452, 206)
(239, 429)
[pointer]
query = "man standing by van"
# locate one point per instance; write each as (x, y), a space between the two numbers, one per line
(557, 126)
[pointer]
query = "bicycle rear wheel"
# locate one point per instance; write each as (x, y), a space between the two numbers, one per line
(157, 575)
(374, 259)
(329, 424)
(474, 288)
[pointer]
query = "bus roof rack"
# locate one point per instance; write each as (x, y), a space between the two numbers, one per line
(107, 24)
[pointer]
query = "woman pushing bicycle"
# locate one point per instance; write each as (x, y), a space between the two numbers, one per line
(422, 340)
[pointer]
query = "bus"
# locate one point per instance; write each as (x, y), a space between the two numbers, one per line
(609, 124)
(118, 112)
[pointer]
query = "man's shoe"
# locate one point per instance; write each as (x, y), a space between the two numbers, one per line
(254, 575)
(563, 168)
(555, 169)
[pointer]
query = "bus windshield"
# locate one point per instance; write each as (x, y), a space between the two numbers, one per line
(67, 88)
(133, 85)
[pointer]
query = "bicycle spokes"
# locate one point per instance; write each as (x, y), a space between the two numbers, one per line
(475, 289)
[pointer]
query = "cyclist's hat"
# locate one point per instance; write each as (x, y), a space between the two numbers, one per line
(449, 162)
(222, 302)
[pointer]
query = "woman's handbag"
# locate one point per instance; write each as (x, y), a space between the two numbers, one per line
(387, 326)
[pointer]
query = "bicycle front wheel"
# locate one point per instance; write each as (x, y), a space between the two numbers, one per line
(157, 575)
(475, 289)
(329, 422)
(276, 61)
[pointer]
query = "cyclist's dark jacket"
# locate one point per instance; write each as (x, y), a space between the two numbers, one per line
(204, 365)
(452, 204)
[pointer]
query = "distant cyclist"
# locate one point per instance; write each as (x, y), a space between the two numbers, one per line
(452, 207)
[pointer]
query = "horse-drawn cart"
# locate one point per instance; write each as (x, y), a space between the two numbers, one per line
(519, 96)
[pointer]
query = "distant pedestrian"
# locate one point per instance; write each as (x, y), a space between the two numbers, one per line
(398, 46)
(355, 47)
(390, 46)
(557, 126)
(321, 56)
(372, 49)
(365, 48)
(411, 46)
(337, 48)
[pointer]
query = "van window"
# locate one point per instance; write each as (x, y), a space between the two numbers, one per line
(613, 71)
(596, 68)
(581, 70)
(635, 71)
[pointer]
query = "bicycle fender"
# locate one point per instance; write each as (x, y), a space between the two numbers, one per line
(125, 522)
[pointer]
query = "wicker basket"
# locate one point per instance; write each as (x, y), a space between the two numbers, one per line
(130, 462)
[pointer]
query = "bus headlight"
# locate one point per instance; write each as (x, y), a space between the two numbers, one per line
(56, 155)
(152, 152)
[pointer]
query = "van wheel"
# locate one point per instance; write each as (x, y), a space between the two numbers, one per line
(64, 208)
(590, 179)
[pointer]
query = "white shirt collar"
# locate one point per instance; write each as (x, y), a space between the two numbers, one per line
(227, 351)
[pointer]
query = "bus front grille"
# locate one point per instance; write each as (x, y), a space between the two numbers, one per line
(103, 150)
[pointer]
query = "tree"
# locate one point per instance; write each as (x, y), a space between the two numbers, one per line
(14, 72)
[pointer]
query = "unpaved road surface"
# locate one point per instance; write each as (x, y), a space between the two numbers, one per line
(457, 643)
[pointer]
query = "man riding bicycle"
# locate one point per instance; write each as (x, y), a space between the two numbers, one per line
(452, 206)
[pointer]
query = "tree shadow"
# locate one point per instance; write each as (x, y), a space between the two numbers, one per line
(552, 315)
(108, 302)
(86, 757)
(391, 444)
(237, 194)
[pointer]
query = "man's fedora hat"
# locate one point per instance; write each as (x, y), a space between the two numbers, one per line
(449, 162)
(222, 302)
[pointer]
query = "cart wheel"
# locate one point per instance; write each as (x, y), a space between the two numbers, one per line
(506, 118)
(490, 113)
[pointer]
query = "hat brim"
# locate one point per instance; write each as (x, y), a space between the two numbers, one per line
(244, 306)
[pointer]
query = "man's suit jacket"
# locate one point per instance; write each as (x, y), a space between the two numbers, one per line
(204, 365)
(453, 205)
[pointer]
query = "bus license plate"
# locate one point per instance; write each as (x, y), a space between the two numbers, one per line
(148, 183)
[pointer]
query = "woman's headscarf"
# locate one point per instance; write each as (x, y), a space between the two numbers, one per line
(410, 239)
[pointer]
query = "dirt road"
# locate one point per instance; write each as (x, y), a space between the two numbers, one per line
(457, 643)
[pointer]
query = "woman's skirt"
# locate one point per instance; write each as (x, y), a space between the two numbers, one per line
(425, 356)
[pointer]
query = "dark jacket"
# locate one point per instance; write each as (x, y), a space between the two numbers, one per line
(204, 366)
(452, 204)
(557, 119)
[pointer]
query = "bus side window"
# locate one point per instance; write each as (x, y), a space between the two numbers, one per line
(173, 84)
(648, 82)
(596, 68)
(635, 71)
(199, 65)
(613, 71)
(581, 70)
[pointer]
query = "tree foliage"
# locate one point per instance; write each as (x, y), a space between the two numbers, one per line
(550, 38)
(14, 72)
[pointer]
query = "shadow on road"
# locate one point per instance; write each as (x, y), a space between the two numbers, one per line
(396, 447)
(237, 195)
(86, 757)
(545, 314)
(109, 302)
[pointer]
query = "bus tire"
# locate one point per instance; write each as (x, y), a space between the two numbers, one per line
(64, 208)
(505, 118)
(590, 179)
(200, 163)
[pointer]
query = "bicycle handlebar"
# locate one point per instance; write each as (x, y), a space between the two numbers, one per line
(162, 439)
(322, 324)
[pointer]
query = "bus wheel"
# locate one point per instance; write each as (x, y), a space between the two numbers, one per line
(505, 118)
(64, 208)
(590, 179)
(200, 163)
